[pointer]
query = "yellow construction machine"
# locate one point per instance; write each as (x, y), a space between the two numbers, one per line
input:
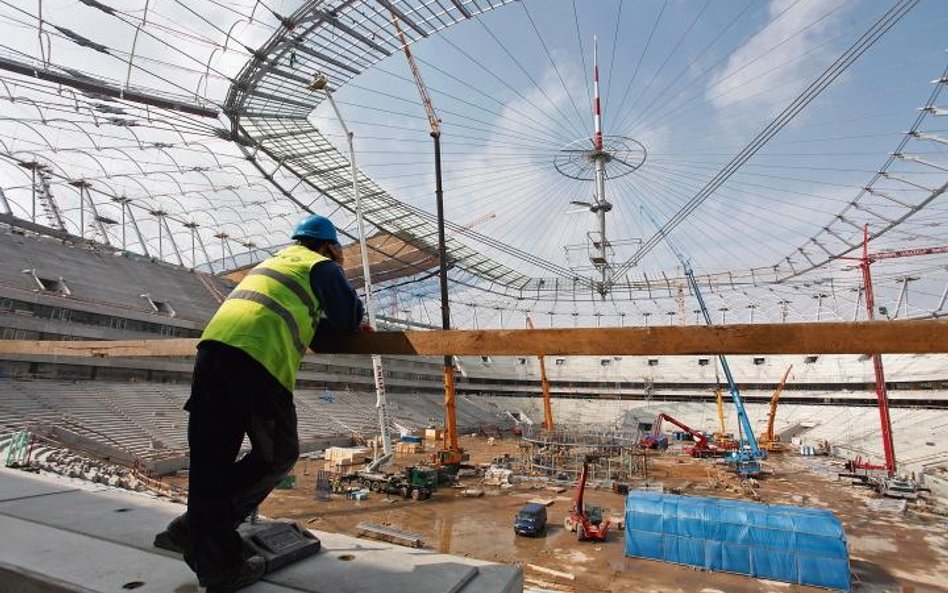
(722, 437)
(770, 440)
(545, 383)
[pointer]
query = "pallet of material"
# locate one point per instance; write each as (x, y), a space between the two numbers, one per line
(408, 448)
(346, 455)
(342, 466)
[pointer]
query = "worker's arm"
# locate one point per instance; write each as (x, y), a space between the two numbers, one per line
(342, 309)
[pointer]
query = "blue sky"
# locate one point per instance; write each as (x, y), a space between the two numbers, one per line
(706, 84)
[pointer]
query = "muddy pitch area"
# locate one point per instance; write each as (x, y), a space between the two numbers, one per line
(891, 550)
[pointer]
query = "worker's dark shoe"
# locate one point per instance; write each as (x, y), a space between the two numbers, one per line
(243, 575)
(177, 538)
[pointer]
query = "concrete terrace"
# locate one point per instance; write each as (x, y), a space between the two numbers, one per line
(65, 536)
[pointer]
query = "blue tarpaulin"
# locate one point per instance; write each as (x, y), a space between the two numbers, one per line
(778, 542)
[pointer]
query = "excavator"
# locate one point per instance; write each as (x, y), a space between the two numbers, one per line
(586, 520)
(770, 440)
(703, 446)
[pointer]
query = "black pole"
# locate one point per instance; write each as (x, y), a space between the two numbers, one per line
(442, 248)
(450, 429)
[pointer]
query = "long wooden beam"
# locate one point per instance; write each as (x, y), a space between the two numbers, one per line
(878, 337)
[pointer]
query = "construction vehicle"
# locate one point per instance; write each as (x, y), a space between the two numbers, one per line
(770, 440)
(545, 384)
(412, 482)
(586, 520)
(875, 476)
(746, 458)
(450, 457)
(722, 438)
(702, 448)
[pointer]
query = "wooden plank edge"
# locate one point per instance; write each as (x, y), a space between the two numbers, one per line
(878, 337)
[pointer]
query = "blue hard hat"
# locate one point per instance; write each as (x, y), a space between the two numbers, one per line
(316, 227)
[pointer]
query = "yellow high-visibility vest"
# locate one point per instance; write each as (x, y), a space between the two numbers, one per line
(272, 314)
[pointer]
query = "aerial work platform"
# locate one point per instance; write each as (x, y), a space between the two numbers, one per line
(64, 536)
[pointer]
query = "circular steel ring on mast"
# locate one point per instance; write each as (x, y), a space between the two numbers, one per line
(620, 155)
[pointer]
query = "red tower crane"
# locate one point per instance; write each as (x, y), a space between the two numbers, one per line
(867, 259)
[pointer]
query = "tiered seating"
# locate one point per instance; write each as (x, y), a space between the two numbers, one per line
(825, 369)
(19, 408)
(99, 275)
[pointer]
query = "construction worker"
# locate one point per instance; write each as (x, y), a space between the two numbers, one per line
(243, 382)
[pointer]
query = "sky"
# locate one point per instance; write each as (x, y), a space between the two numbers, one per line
(693, 82)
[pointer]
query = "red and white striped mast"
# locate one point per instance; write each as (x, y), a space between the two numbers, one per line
(599, 158)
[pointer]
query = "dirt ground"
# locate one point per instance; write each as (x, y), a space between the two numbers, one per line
(890, 550)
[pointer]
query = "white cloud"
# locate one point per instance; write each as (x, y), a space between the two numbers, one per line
(775, 63)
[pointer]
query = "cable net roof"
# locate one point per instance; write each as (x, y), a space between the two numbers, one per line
(759, 139)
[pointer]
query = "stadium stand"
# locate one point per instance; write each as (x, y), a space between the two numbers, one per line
(54, 289)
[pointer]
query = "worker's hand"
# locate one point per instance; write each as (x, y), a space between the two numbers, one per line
(365, 328)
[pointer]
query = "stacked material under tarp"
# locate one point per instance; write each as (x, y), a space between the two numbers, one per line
(778, 542)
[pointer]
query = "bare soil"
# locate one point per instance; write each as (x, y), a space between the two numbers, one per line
(890, 550)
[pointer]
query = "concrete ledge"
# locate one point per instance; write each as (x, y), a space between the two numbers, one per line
(62, 536)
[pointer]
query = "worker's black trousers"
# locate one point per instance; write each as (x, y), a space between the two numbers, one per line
(233, 395)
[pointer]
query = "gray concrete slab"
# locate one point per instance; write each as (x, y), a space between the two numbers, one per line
(380, 567)
(118, 517)
(60, 537)
(29, 486)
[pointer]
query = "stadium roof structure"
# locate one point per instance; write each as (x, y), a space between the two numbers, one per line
(191, 132)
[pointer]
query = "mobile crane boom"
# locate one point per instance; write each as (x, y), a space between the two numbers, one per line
(696, 435)
(746, 432)
(434, 123)
(545, 383)
(719, 396)
(770, 436)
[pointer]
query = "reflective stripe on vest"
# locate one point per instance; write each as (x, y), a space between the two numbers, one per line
(288, 282)
(260, 298)
(272, 314)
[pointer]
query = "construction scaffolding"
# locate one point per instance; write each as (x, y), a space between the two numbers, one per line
(612, 454)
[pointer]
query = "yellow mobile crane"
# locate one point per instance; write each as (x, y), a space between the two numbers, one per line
(722, 438)
(547, 406)
(451, 455)
(770, 440)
